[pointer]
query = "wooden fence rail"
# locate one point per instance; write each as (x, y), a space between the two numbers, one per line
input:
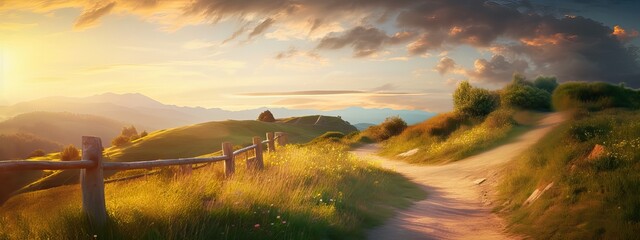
(92, 168)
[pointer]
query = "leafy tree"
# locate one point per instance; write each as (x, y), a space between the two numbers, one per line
(70, 153)
(129, 131)
(522, 94)
(473, 101)
(546, 83)
(266, 116)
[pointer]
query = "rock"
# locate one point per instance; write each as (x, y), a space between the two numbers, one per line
(536, 194)
(409, 153)
(479, 181)
(597, 151)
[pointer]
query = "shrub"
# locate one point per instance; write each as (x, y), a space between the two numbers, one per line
(70, 153)
(143, 134)
(500, 118)
(546, 83)
(594, 96)
(523, 95)
(120, 141)
(391, 126)
(37, 153)
(129, 131)
(474, 101)
(266, 116)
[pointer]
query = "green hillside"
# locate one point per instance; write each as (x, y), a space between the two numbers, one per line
(594, 164)
(191, 141)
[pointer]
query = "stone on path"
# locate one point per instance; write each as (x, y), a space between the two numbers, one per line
(409, 153)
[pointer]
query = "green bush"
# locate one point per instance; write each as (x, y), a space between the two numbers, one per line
(524, 95)
(546, 83)
(594, 96)
(70, 153)
(391, 126)
(474, 101)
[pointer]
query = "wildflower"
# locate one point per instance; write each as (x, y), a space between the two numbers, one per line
(278, 217)
(257, 225)
(271, 224)
(284, 222)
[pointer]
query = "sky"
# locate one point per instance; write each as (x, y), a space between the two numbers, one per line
(308, 54)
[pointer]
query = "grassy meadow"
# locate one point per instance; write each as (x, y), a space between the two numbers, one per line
(187, 141)
(305, 192)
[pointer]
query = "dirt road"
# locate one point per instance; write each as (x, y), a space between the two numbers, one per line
(456, 207)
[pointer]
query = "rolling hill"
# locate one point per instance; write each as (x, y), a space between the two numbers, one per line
(191, 141)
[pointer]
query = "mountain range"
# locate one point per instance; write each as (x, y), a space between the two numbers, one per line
(146, 113)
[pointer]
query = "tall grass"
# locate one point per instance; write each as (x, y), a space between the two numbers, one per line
(313, 192)
(592, 198)
(451, 137)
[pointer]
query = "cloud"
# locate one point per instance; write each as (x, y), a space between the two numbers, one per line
(496, 70)
(445, 65)
(90, 17)
(624, 35)
(263, 26)
(570, 47)
(365, 41)
(326, 93)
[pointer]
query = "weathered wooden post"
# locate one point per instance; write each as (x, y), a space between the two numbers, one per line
(257, 162)
(270, 142)
(279, 138)
(92, 182)
(229, 164)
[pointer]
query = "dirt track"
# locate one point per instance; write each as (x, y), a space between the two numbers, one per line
(456, 207)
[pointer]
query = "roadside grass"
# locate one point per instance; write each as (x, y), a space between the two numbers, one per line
(451, 137)
(591, 198)
(305, 192)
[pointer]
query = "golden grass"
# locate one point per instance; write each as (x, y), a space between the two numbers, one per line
(311, 192)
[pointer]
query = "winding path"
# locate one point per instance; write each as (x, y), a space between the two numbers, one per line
(456, 207)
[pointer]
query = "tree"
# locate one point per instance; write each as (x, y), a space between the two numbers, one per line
(266, 116)
(546, 83)
(524, 95)
(143, 134)
(473, 101)
(70, 153)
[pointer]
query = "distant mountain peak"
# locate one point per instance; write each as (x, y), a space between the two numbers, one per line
(126, 99)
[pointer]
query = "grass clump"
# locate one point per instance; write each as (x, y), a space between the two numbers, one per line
(312, 192)
(592, 198)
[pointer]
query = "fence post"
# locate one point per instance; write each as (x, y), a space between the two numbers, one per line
(257, 162)
(229, 164)
(282, 138)
(271, 143)
(92, 182)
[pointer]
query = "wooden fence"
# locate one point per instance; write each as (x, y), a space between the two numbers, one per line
(92, 167)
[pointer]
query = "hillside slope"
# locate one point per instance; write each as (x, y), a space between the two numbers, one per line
(192, 141)
(62, 127)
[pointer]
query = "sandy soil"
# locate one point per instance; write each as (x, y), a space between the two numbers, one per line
(456, 207)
